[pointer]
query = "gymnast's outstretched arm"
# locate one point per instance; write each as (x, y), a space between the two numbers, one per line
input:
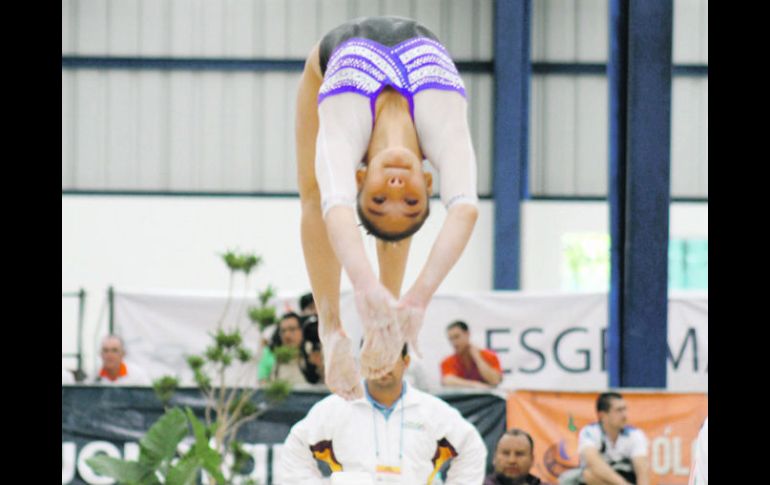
(442, 126)
(344, 132)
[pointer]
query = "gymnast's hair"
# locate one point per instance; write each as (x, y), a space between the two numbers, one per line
(373, 230)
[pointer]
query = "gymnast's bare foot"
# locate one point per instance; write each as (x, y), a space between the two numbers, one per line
(341, 374)
(382, 330)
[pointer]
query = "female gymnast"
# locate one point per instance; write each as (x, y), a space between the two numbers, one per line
(378, 96)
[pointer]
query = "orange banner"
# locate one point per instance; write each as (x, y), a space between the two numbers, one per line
(554, 419)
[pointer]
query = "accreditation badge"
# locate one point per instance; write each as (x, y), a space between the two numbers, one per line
(387, 473)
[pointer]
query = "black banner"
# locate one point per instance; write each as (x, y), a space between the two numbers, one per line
(112, 420)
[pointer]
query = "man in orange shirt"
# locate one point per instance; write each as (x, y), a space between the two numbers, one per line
(114, 369)
(469, 366)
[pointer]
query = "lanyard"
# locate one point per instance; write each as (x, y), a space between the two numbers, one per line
(401, 433)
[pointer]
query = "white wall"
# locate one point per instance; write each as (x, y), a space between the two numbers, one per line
(173, 243)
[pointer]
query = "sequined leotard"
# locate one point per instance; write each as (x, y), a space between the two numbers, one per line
(366, 55)
(358, 60)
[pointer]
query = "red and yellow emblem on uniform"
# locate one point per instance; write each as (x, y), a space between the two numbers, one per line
(444, 452)
(324, 451)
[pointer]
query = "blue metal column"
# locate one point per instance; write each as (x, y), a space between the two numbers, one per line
(511, 135)
(639, 77)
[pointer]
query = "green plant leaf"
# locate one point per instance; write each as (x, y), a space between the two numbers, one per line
(240, 457)
(285, 354)
(151, 479)
(247, 408)
(212, 462)
(195, 362)
(231, 260)
(161, 440)
(249, 262)
(164, 388)
(244, 355)
(277, 391)
(199, 430)
(203, 381)
(185, 471)
(266, 295)
(263, 316)
(228, 340)
(121, 470)
(245, 262)
(209, 458)
(214, 353)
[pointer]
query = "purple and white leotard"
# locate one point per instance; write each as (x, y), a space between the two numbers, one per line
(422, 71)
(366, 67)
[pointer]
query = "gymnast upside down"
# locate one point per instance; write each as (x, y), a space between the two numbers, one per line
(378, 96)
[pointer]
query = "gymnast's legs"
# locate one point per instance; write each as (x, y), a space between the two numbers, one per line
(323, 268)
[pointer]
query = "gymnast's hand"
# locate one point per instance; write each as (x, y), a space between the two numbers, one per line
(382, 330)
(341, 374)
(411, 313)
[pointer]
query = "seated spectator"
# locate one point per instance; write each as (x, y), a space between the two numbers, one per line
(307, 305)
(299, 370)
(312, 343)
(611, 452)
(513, 460)
(469, 366)
(115, 370)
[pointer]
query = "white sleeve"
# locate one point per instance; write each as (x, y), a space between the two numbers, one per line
(469, 465)
(344, 131)
(296, 464)
(640, 443)
(589, 437)
(441, 120)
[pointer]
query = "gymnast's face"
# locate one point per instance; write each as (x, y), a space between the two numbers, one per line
(394, 189)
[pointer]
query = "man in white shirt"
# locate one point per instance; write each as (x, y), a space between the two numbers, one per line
(115, 371)
(611, 451)
(394, 434)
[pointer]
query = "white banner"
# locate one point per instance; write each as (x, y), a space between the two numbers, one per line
(688, 342)
(544, 341)
(161, 329)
